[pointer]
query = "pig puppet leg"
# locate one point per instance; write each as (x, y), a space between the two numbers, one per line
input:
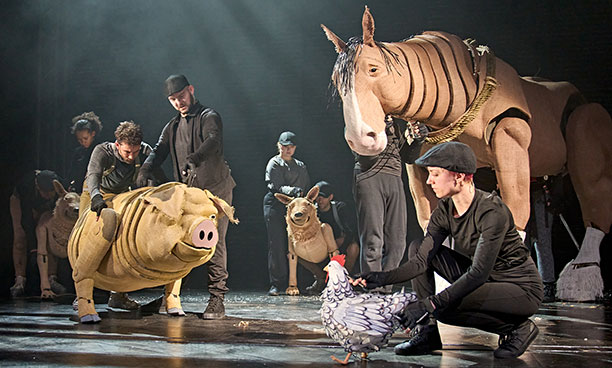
(173, 301)
(96, 245)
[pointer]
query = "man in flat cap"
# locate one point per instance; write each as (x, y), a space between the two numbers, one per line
(494, 283)
(194, 141)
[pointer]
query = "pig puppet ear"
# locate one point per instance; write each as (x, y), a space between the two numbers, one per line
(168, 201)
(222, 206)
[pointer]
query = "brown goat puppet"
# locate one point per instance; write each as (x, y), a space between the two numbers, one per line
(52, 234)
(147, 237)
(309, 239)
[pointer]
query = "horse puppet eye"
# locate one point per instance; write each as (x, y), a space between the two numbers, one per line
(373, 70)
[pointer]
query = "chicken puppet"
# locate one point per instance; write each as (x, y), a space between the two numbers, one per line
(361, 323)
(148, 237)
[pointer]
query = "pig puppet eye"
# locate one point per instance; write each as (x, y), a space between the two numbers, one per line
(205, 235)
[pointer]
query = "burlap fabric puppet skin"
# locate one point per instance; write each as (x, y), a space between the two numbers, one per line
(146, 238)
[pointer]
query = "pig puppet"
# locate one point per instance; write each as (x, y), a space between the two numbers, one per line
(147, 237)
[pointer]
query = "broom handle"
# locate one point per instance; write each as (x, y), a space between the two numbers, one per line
(569, 231)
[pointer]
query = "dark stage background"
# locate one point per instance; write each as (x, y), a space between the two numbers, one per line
(265, 66)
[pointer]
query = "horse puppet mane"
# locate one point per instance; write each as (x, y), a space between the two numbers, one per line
(445, 75)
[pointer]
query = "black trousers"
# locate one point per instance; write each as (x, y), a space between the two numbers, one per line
(382, 219)
(274, 216)
(496, 307)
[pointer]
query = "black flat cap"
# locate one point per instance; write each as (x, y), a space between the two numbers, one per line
(175, 83)
(287, 138)
(45, 178)
(325, 188)
(452, 156)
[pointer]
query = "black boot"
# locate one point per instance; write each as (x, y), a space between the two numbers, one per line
(550, 290)
(215, 308)
(121, 300)
(515, 343)
(423, 339)
(316, 288)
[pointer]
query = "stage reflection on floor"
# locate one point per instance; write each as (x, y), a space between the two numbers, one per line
(260, 330)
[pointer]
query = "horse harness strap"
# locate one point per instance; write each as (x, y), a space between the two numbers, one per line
(453, 130)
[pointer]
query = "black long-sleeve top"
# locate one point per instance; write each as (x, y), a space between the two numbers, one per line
(486, 234)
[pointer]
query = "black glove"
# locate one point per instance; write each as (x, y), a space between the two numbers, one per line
(144, 178)
(374, 279)
(188, 168)
(418, 131)
(416, 313)
(97, 204)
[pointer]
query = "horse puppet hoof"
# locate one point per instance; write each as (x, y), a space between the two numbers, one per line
(90, 318)
(293, 291)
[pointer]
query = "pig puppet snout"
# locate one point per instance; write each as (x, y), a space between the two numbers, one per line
(205, 235)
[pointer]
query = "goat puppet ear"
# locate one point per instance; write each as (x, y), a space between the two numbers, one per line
(313, 193)
(283, 198)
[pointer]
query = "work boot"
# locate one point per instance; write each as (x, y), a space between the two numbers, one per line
(215, 308)
(550, 290)
(316, 288)
(56, 287)
(18, 290)
(122, 301)
(423, 339)
(273, 291)
(513, 344)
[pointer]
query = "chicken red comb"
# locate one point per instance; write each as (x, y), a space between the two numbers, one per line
(340, 258)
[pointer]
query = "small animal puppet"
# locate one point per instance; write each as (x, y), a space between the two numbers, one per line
(147, 237)
(52, 235)
(361, 323)
(309, 239)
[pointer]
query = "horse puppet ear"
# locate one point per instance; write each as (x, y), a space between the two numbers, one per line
(313, 193)
(283, 198)
(340, 45)
(367, 23)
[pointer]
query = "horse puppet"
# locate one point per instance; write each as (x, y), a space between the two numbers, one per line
(521, 127)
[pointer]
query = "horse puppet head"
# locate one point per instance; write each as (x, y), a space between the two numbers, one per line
(365, 77)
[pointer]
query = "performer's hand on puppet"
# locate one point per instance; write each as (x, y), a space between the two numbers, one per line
(145, 178)
(97, 204)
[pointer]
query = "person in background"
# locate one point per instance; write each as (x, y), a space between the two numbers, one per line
(32, 196)
(494, 283)
(85, 127)
(194, 141)
(288, 175)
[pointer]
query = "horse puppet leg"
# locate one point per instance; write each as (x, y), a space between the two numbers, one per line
(510, 144)
(423, 197)
(588, 136)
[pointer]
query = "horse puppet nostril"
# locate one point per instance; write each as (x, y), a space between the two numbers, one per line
(298, 214)
(371, 135)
